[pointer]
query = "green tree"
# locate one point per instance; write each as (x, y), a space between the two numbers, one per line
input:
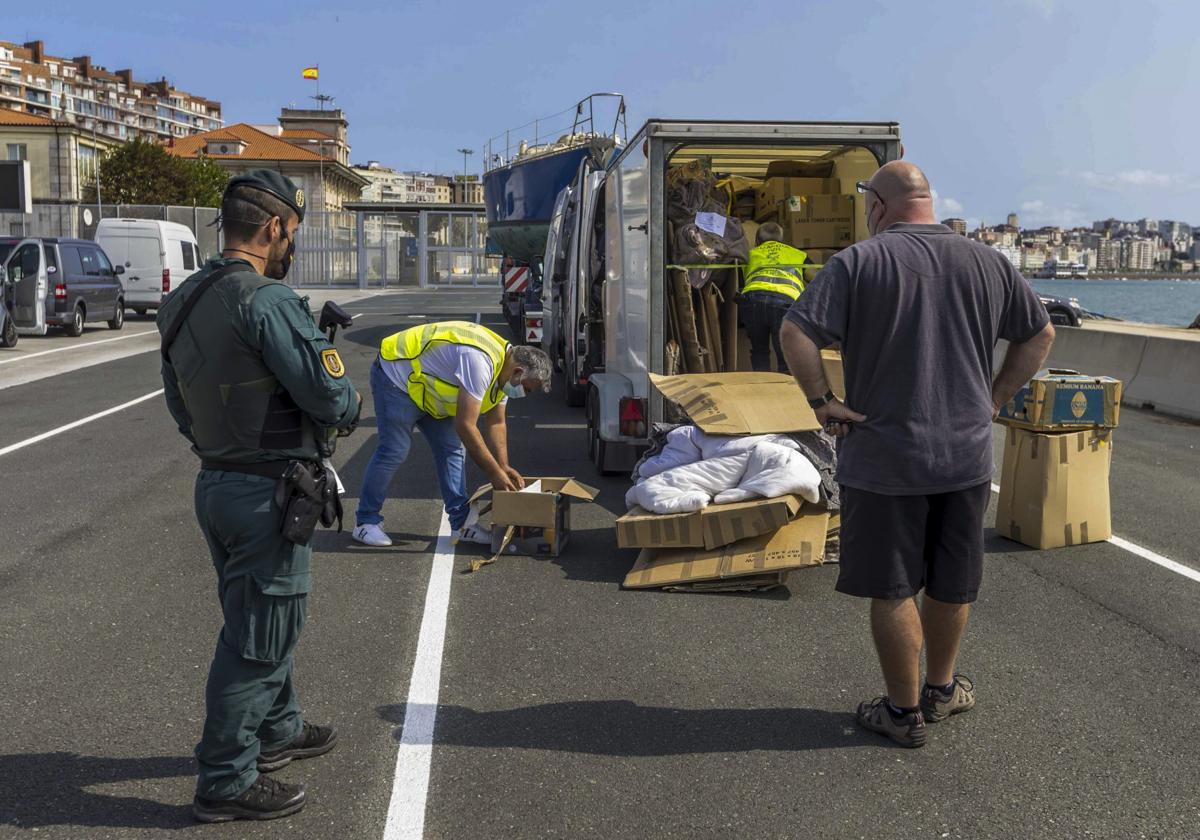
(141, 172)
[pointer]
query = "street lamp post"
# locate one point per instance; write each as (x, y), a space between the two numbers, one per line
(464, 152)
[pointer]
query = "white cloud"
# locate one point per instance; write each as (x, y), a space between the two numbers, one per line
(1136, 179)
(946, 207)
(1037, 213)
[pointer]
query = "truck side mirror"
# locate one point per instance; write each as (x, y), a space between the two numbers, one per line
(118, 269)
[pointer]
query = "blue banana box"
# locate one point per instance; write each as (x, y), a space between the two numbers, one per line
(1059, 400)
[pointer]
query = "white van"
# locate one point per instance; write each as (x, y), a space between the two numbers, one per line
(157, 257)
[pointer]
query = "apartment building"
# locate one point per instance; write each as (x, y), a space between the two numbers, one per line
(388, 185)
(1139, 254)
(959, 226)
(113, 104)
(466, 192)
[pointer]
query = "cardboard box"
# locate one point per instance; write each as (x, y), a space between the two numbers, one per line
(817, 257)
(799, 169)
(1054, 487)
(818, 221)
(1058, 399)
(775, 190)
(760, 562)
(739, 403)
(532, 523)
(714, 526)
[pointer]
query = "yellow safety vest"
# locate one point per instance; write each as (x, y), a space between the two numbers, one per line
(775, 267)
(436, 397)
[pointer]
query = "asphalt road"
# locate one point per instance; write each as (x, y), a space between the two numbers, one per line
(569, 707)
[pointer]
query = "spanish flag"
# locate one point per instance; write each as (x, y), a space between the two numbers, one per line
(310, 72)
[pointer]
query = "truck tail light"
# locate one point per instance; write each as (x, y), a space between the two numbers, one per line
(166, 287)
(60, 291)
(633, 416)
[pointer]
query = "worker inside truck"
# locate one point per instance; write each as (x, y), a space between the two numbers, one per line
(774, 281)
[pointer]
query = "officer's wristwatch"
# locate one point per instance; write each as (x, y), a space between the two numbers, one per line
(820, 401)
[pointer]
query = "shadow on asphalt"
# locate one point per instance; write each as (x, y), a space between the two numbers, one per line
(44, 789)
(624, 728)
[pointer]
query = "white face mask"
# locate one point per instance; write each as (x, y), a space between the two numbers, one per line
(514, 392)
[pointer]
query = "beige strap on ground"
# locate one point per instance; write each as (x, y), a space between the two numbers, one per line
(479, 562)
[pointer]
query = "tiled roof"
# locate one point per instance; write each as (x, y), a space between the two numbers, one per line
(259, 145)
(303, 134)
(11, 117)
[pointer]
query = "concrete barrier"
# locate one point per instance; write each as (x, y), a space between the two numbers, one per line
(1160, 371)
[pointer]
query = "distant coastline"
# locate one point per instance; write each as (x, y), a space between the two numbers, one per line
(1133, 275)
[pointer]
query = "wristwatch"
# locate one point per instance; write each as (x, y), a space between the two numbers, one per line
(820, 401)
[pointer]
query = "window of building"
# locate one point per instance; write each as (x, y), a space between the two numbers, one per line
(18, 151)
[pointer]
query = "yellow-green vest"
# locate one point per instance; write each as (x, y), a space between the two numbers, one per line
(436, 397)
(775, 267)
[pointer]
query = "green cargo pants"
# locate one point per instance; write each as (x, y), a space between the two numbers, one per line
(262, 582)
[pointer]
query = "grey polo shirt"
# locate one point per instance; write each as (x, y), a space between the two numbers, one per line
(918, 310)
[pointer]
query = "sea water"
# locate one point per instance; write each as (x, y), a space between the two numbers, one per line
(1174, 302)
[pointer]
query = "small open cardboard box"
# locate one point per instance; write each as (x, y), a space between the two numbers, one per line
(531, 523)
(757, 563)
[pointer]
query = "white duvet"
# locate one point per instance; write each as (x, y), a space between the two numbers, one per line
(695, 469)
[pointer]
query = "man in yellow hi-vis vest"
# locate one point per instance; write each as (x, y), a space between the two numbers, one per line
(452, 379)
(773, 282)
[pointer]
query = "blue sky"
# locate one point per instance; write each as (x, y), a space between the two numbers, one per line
(1061, 110)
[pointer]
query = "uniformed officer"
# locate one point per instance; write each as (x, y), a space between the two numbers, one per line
(774, 280)
(254, 385)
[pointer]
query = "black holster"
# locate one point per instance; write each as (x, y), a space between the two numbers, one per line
(306, 496)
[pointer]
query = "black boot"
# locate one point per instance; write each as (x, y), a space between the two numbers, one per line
(266, 799)
(312, 741)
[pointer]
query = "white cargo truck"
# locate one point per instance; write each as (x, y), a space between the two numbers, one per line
(606, 316)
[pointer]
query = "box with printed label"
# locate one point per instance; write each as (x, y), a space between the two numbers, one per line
(817, 221)
(1054, 487)
(713, 526)
(1064, 399)
(775, 190)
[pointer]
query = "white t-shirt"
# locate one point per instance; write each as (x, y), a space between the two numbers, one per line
(467, 367)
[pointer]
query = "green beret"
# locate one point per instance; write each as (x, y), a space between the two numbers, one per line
(275, 183)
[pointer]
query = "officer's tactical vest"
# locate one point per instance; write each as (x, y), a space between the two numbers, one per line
(239, 410)
(775, 267)
(436, 397)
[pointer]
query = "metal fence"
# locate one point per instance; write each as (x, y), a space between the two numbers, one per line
(358, 249)
(80, 221)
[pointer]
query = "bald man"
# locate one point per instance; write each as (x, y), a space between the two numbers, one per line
(917, 310)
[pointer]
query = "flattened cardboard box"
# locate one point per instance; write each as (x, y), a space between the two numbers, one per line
(768, 557)
(746, 403)
(1054, 488)
(714, 526)
(541, 522)
(1064, 399)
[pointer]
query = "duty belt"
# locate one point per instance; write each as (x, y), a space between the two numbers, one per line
(266, 469)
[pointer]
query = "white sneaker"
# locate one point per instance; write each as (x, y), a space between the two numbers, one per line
(371, 535)
(476, 533)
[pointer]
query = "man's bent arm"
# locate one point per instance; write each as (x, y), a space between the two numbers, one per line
(1020, 364)
(495, 434)
(804, 360)
(465, 420)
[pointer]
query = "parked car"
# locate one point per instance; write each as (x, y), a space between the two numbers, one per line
(8, 330)
(1064, 312)
(55, 282)
(157, 257)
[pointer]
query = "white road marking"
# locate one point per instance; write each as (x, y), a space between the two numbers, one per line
(478, 315)
(77, 423)
(1145, 554)
(76, 346)
(410, 786)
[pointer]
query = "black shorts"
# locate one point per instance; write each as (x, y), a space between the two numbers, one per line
(895, 546)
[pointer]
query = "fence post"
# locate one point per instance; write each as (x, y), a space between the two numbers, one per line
(423, 249)
(361, 257)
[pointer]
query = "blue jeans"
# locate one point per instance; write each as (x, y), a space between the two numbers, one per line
(396, 415)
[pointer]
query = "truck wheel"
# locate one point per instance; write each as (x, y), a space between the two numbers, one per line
(8, 335)
(597, 446)
(118, 319)
(575, 395)
(75, 327)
